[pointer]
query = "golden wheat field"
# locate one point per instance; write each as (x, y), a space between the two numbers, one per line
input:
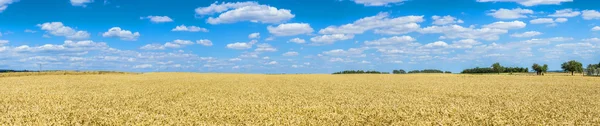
(245, 99)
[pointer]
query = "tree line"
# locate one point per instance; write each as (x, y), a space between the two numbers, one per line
(401, 71)
(569, 66)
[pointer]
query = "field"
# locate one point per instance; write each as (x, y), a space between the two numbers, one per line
(245, 99)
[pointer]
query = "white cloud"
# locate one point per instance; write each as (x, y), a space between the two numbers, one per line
(565, 13)
(142, 66)
(239, 46)
(590, 14)
(596, 28)
(264, 47)
(377, 2)
(438, 44)
(204, 42)
(290, 29)
(506, 25)
(254, 35)
(456, 31)
(3, 42)
(235, 59)
(158, 19)
(246, 12)
(122, 34)
(58, 29)
(80, 2)
(341, 52)
(548, 21)
(189, 29)
(29, 31)
(290, 54)
(510, 14)
(219, 8)
(530, 2)
(297, 40)
(438, 20)
(178, 43)
(391, 41)
(4, 4)
(526, 34)
(330, 39)
(399, 29)
(465, 43)
(380, 22)
(272, 63)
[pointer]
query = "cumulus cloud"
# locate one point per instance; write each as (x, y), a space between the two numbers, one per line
(438, 20)
(178, 43)
(377, 2)
(58, 29)
(239, 46)
(530, 2)
(244, 11)
(381, 22)
(340, 52)
(506, 25)
(81, 3)
(565, 13)
(297, 40)
(122, 34)
(456, 31)
(4, 4)
(189, 29)
(290, 29)
(590, 14)
(264, 47)
(596, 28)
(3, 42)
(465, 43)
(510, 13)
(548, 20)
(254, 35)
(158, 19)
(235, 59)
(391, 41)
(330, 39)
(142, 66)
(272, 63)
(204, 42)
(526, 34)
(290, 54)
(437, 44)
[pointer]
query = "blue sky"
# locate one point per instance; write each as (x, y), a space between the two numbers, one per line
(295, 36)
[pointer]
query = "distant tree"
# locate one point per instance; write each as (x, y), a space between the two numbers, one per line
(448, 72)
(572, 66)
(544, 69)
(497, 67)
(537, 68)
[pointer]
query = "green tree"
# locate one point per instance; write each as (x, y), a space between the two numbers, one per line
(497, 67)
(544, 69)
(537, 68)
(572, 66)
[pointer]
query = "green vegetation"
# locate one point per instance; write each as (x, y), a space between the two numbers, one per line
(572, 66)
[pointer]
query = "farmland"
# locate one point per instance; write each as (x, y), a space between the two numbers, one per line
(254, 99)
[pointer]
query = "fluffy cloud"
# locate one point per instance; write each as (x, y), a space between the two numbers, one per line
(510, 14)
(290, 29)
(438, 44)
(596, 28)
(142, 66)
(377, 2)
(58, 29)
(456, 31)
(341, 52)
(158, 19)
(526, 34)
(235, 59)
(438, 20)
(122, 34)
(506, 25)
(391, 41)
(290, 54)
(189, 29)
(548, 20)
(297, 40)
(244, 11)
(3, 42)
(239, 46)
(254, 35)
(590, 14)
(565, 13)
(178, 43)
(380, 22)
(218, 8)
(329, 39)
(80, 2)
(465, 43)
(530, 2)
(204, 42)
(4, 4)
(264, 47)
